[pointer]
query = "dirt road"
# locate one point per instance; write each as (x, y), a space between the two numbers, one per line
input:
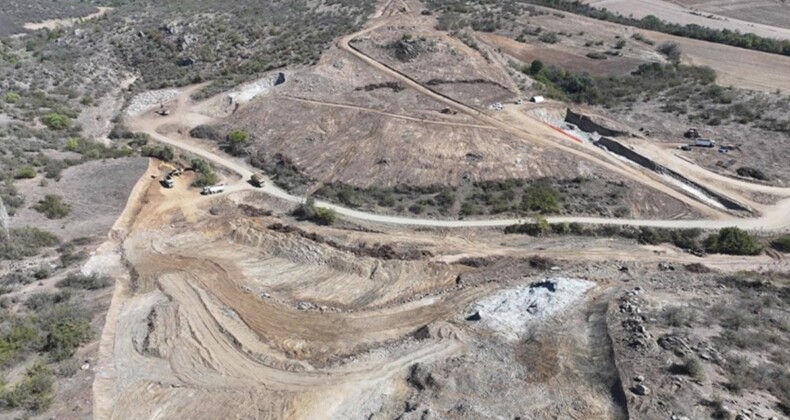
(773, 218)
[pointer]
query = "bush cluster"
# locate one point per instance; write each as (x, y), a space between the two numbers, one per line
(53, 207)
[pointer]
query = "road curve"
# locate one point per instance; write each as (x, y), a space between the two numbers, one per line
(776, 218)
(773, 218)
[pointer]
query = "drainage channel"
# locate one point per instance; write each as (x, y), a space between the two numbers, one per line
(689, 187)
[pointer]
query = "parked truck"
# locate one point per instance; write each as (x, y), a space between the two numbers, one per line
(213, 189)
(168, 182)
(257, 180)
(704, 143)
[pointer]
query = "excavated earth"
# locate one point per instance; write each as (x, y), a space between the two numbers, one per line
(257, 316)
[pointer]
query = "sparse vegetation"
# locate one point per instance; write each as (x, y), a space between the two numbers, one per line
(53, 207)
(33, 393)
(25, 242)
(91, 281)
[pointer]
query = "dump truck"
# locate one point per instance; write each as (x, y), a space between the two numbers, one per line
(257, 180)
(213, 189)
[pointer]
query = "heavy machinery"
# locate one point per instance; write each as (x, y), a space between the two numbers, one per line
(691, 133)
(173, 169)
(168, 182)
(257, 181)
(213, 189)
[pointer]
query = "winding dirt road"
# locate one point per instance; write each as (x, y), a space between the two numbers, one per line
(772, 218)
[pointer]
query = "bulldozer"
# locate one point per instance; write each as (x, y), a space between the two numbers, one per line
(691, 133)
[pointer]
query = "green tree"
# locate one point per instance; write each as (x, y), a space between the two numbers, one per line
(535, 67)
(237, 142)
(733, 241)
(541, 198)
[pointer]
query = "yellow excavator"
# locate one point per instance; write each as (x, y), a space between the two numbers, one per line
(173, 169)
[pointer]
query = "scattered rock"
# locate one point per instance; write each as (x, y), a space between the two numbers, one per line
(86, 366)
(639, 378)
(640, 389)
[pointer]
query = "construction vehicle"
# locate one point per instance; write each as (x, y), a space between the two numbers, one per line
(704, 143)
(691, 133)
(168, 182)
(257, 180)
(213, 189)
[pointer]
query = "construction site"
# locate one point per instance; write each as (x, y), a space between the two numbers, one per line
(356, 239)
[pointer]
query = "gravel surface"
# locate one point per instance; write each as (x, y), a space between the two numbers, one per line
(146, 100)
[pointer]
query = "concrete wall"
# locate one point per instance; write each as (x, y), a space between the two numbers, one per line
(585, 123)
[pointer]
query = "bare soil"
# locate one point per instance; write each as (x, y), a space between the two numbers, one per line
(675, 12)
(96, 191)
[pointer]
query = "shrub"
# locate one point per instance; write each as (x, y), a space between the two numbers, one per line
(597, 55)
(25, 172)
(33, 392)
(325, 217)
(733, 241)
(38, 301)
(238, 140)
(670, 50)
(309, 211)
(549, 38)
(781, 244)
(12, 97)
(88, 282)
(57, 121)
(695, 368)
(541, 198)
(161, 152)
(53, 207)
(206, 132)
(206, 173)
(65, 336)
(752, 173)
(535, 67)
(25, 242)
